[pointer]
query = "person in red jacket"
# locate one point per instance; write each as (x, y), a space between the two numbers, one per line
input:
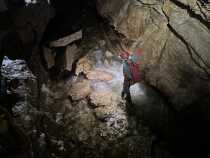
(131, 71)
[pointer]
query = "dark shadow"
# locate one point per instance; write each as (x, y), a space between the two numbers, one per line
(186, 132)
(70, 16)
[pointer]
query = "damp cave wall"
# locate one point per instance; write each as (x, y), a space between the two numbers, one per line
(173, 34)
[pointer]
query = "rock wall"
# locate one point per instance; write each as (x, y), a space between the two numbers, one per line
(175, 38)
(71, 119)
(22, 28)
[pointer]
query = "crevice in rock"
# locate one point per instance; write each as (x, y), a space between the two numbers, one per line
(162, 52)
(191, 52)
(192, 13)
(147, 4)
(201, 10)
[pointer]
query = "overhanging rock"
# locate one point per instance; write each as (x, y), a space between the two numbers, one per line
(64, 41)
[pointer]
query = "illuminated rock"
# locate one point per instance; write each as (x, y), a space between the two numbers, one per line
(99, 75)
(64, 41)
(104, 98)
(83, 66)
(80, 90)
(71, 55)
(174, 36)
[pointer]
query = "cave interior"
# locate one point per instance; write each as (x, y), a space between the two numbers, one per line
(61, 84)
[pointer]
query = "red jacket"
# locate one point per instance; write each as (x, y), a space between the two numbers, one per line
(135, 66)
(135, 72)
(131, 68)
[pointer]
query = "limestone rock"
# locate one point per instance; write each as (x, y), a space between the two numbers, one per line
(102, 43)
(108, 54)
(83, 123)
(131, 18)
(67, 40)
(49, 57)
(80, 90)
(104, 98)
(99, 75)
(83, 66)
(174, 36)
(107, 119)
(23, 83)
(65, 121)
(107, 108)
(71, 55)
(16, 69)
